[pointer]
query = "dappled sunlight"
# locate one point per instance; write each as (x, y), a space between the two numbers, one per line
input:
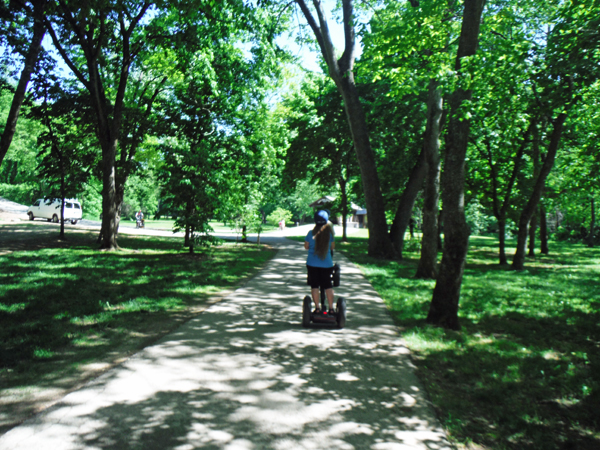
(523, 371)
(246, 375)
(64, 309)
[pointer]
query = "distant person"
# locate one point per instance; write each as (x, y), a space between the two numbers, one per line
(320, 244)
(139, 217)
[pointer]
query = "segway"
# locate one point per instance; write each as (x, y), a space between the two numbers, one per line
(337, 317)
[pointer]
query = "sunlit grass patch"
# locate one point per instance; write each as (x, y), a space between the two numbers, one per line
(12, 308)
(63, 309)
(523, 373)
(42, 353)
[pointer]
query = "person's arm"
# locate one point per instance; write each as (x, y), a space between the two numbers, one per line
(306, 245)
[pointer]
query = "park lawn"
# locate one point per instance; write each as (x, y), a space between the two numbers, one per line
(69, 311)
(161, 224)
(167, 224)
(524, 371)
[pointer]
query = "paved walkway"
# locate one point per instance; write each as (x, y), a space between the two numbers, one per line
(245, 375)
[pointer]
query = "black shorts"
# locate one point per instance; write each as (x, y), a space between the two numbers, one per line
(319, 277)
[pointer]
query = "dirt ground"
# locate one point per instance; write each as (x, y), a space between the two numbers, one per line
(6, 216)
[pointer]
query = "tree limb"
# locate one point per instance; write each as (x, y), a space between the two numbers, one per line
(65, 57)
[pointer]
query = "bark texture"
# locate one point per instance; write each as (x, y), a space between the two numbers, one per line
(544, 249)
(531, 241)
(534, 199)
(427, 267)
(343, 184)
(443, 310)
(406, 204)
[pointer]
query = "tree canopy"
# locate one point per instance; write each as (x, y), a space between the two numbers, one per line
(460, 116)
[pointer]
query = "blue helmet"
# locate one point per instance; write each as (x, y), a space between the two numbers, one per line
(321, 217)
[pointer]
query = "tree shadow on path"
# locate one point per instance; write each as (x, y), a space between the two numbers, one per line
(246, 375)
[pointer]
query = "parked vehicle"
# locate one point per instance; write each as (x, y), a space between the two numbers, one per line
(50, 210)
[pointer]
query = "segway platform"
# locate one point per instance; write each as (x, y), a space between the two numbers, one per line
(336, 317)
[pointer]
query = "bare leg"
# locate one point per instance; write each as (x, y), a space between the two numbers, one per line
(316, 297)
(329, 294)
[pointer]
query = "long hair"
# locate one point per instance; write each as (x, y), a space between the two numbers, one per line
(322, 236)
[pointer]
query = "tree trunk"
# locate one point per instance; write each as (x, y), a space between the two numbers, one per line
(39, 30)
(443, 310)
(536, 173)
(120, 198)
(188, 228)
(407, 202)
(126, 166)
(191, 240)
(543, 231)
(341, 72)
(62, 201)
(590, 238)
(502, 240)
(532, 203)
(531, 240)
(379, 244)
(427, 267)
(440, 230)
(500, 210)
(343, 185)
(109, 196)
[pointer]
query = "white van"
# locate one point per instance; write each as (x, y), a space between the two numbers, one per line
(50, 210)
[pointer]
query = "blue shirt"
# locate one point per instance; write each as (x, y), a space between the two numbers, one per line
(312, 259)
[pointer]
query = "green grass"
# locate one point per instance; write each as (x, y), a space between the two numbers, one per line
(162, 224)
(524, 371)
(167, 224)
(66, 306)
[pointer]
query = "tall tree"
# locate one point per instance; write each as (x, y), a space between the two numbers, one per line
(500, 181)
(409, 65)
(341, 71)
(215, 146)
(99, 42)
(566, 72)
(427, 267)
(443, 310)
(66, 156)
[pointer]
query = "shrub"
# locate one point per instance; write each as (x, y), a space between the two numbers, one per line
(477, 218)
(278, 215)
(24, 193)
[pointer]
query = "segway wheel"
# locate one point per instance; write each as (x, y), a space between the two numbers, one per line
(306, 305)
(341, 312)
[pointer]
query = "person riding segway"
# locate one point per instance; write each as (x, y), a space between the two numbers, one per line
(320, 244)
